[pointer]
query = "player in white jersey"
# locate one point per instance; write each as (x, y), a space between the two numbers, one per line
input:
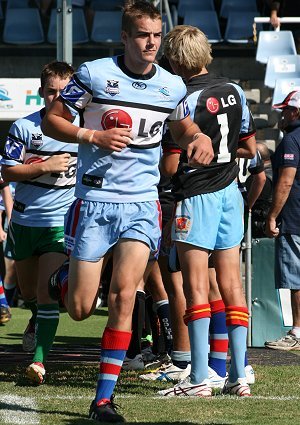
(124, 102)
(44, 170)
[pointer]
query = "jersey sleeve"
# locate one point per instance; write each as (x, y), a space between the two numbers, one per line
(168, 145)
(248, 128)
(256, 165)
(78, 92)
(289, 152)
(15, 146)
(180, 112)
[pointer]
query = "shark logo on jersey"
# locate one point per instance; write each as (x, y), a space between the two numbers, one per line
(37, 139)
(13, 149)
(164, 91)
(72, 92)
(112, 87)
(116, 118)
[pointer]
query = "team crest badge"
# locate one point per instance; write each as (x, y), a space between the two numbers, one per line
(182, 224)
(37, 140)
(112, 87)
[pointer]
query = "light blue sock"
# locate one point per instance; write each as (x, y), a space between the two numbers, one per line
(198, 333)
(238, 345)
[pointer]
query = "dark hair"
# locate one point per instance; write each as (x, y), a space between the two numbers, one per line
(56, 69)
(138, 10)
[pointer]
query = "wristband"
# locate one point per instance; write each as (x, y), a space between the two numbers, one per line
(91, 136)
(196, 135)
(80, 134)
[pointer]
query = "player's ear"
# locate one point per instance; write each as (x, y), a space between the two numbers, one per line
(41, 94)
(124, 37)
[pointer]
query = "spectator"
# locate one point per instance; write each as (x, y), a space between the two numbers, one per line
(260, 208)
(124, 101)
(286, 8)
(44, 170)
(284, 215)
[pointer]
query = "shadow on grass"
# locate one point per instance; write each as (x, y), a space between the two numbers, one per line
(88, 421)
(63, 339)
(17, 407)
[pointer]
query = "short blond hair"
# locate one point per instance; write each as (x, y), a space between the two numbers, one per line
(188, 47)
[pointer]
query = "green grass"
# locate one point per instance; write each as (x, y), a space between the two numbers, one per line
(66, 396)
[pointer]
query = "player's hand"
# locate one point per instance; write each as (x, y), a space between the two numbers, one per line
(200, 151)
(114, 139)
(57, 163)
(3, 235)
(271, 229)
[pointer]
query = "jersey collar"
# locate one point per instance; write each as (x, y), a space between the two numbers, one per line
(123, 67)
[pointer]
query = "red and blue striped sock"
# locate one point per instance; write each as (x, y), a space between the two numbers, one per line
(114, 345)
(3, 301)
(218, 338)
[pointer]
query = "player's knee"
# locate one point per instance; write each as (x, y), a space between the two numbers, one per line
(79, 313)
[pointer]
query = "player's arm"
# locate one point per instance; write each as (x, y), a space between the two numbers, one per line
(280, 194)
(57, 123)
(246, 148)
(169, 163)
(2, 232)
(197, 144)
(7, 201)
(20, 172)
(256, 188)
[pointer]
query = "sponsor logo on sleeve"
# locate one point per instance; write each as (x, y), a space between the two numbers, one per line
(13, 149)
(72, 92)
(289, 156)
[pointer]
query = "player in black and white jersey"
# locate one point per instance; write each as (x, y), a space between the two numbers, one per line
(209, 212)
(124, 101)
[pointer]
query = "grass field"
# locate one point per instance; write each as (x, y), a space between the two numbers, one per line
(72, 374)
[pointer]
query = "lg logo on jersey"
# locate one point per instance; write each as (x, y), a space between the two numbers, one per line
(213, 105)
(117, 118)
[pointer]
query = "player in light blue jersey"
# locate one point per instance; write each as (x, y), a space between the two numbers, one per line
(44, 170)
(124, 102)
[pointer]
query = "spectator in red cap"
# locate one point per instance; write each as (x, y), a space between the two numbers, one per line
(284, 215)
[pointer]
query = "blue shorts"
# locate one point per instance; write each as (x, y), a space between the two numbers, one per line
(287, 261)
(212, 220)
(93, 228)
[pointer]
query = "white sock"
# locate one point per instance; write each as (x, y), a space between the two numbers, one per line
(296, 331)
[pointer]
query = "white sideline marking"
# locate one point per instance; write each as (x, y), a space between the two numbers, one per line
(218, 397)
(19, 410)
